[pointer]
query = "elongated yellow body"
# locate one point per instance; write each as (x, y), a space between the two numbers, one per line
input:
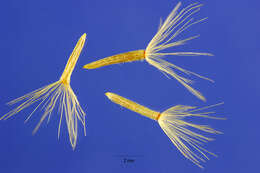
(133, 106)
(166, 37)
(59, 92)
(65, 77)
(136, 55)
(179, 131)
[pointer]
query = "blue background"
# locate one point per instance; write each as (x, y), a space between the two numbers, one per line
(37, 38)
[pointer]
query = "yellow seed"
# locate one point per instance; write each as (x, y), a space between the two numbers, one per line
(116, 59)
(58, 92)
(65, 77)
(179, 131)
(166, 37)
(132, 106)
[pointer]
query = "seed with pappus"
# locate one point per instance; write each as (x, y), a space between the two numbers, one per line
(177, 22)
(60, 92)
(172, 122)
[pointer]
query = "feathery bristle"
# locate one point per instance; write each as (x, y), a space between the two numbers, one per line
(174, 25)
(48, 97)
(188, 142)
(61, 92)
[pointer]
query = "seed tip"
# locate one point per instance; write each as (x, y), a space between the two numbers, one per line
(84, 36)
(86, 66)
(109, 95)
